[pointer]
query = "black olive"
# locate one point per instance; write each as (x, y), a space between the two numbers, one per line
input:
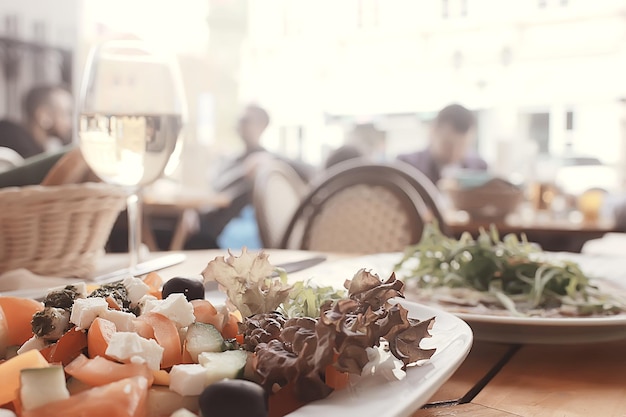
(192, 288)
(233, 398)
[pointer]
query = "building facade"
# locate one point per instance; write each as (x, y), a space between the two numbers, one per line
(542, 75)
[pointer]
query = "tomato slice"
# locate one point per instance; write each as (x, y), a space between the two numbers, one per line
(166, 335)
(67, 348)
(205, 312)
(10, 373)
(231, 327)
(101, 371)
(125, 398)
(155, 282)
(19, 313)
(98, 337)
(283, 402)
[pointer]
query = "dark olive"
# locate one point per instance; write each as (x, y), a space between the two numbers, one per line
(192, 288)
(233, 398)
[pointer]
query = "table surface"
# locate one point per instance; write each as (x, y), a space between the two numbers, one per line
(551, 234)
(499, 379)
(537, 224)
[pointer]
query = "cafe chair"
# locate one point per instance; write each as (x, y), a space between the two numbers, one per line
(277, 193)
(428, 192)
(359, 208)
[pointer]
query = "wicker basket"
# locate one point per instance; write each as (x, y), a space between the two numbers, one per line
(57, 230)
(493, 200)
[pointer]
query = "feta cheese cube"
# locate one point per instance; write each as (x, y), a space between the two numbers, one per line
(175, 307)
(143, 301)
(188, 379)
(130, 347)
(135, 289)
(85, 311)
(123, 321)
(183, 412)
(31, 344)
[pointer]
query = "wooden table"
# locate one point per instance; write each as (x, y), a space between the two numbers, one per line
(535, 380)
(499, 379)
(551, 234)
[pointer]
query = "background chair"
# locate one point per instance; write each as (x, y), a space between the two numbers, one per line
(277, 193)
(360, 208)
(428, 191)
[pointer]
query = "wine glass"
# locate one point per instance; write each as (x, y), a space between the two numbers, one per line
(132, 110)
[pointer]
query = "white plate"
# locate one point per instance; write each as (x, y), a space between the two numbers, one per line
(377, 397)
(546, 330)
(503, 328)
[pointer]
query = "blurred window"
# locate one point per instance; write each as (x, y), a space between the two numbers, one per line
(464, 8)
(569, 120)
(367, 14)
(539, 130)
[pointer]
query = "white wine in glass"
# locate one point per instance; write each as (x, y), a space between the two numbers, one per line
(132, 110)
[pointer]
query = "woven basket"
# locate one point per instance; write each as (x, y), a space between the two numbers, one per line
(57, 230)
(492, 201)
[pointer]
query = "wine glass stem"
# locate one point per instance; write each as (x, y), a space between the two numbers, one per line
(133, 203)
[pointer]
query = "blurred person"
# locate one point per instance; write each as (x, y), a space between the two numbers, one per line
(369, 140)
(47, 125)
(364, 142)
(342, 154)
(451, 137)
(235, 225)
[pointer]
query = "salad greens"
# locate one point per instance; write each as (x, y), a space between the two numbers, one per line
(252, 288)
(248, 282)
(298, 332)
(306, 298)
(503, 273)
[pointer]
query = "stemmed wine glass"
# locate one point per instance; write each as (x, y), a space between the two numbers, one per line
(132, 110)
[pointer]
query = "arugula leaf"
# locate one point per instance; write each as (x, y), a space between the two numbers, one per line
(508, 270)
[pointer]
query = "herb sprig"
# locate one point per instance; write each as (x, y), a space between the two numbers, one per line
(507, 273)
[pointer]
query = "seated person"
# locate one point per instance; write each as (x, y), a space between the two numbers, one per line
(236, 179)
(450, 138)
(342, 154)
(47, 125)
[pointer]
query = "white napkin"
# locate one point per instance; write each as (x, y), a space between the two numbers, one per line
(611, 244)
(23, 279)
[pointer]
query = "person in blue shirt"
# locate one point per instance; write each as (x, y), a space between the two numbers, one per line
(235, 226)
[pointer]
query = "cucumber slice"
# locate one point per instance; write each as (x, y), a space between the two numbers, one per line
(221, 365)
(203, 337)
(41, 386)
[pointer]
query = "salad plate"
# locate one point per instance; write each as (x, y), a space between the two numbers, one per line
(381, 393)
(374, 396)
(507, 329)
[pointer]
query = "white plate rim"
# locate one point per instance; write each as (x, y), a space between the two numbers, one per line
(610, 324)
(434, 378)
(616, 320)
